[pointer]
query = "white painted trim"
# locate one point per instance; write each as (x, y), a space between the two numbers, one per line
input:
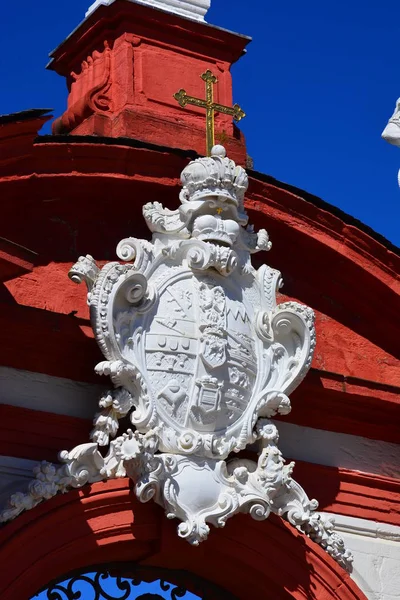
(376, 550)
(57, 395)
(15, 473)
(334, 449)
(18, 467)
(190, 9)
(365, 528)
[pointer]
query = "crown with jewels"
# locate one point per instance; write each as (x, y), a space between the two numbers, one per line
(215, 179)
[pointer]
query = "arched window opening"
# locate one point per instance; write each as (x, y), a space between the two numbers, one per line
(122, 582)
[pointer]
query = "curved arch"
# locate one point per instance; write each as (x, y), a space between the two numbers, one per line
(127, 577)
(105, 523)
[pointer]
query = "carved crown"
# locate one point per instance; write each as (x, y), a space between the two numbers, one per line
(215, 178)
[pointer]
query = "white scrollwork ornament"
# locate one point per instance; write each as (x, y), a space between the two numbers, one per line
(201, 357)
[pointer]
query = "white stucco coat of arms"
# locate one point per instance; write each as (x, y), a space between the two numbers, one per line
(201, 358)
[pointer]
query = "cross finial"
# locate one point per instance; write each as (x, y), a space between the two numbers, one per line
(211, 107)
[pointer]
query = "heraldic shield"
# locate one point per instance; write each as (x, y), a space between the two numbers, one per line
(201, 358)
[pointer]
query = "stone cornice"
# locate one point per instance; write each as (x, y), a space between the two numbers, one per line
(122, 16)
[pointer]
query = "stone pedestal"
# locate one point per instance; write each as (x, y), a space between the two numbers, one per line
(125, 63)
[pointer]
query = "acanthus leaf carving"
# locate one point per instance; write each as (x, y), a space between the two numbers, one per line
(201, 357)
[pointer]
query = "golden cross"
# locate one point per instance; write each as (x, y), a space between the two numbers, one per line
(211, 107)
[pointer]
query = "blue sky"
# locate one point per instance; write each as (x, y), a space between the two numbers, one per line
(318, 84)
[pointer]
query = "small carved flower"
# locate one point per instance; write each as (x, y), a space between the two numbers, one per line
(188, 441)
(267, 431)
(39, 489)
(128, 446)
(21, 501)
(45, 471)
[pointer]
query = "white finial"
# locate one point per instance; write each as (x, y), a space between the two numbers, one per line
(391, 133)
(218, 150)
(191, 9)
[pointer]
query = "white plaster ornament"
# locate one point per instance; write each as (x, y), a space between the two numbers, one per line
(201, 358)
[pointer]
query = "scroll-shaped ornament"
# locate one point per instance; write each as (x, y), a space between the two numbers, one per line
(201, 357)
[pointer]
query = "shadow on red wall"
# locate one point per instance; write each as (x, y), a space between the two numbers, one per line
(104, 523)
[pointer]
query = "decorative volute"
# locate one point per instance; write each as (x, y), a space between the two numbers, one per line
(191, 9)
(201, 357)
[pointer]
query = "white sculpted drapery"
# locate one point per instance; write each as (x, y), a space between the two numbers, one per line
(201, 357)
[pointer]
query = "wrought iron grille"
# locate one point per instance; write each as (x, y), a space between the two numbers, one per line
(122, 583)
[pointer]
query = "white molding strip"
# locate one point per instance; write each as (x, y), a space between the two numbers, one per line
(365, 528)
(16, 467)
(15, 473)
(57, 395)
(376, 550)
(339, 450)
